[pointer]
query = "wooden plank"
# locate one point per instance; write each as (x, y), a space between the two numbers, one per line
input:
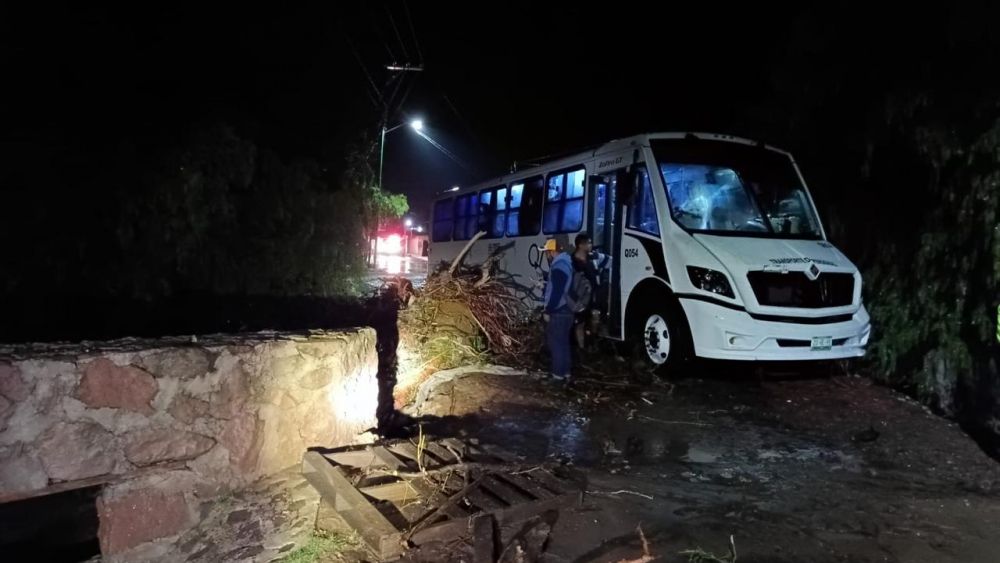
(400, 491)
(527, 485)
(333, 486)
(483, 542)
(388, 459)
(409, 451)
(484, 500)
(504, 491)
(551, 482)
(443, 455)
(451, 529)
(426, 521)
(447, 530)
(437, 498)
(456, 445)
(353, 458)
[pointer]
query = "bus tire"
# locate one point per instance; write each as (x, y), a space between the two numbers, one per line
(659, 341)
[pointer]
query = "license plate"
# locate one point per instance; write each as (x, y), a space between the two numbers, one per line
(821, 343)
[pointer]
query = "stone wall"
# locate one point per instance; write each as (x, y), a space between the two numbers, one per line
(197, 442)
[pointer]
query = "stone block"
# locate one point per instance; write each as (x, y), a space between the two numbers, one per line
(105, 384)
(233, 394)
(140, 516)
(242, 437)
(146, 447)
(20, 472)
(12, 385)
(78, 450)
(185, 408)
(180, 363)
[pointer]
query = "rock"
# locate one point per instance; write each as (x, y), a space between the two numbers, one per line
(147, 447)
(243, 553)
(105, 384)
(215, 467)
(317, 378)
(241, 436)
(180, 363)
(140, 516)
(6, 410)
(12, 385)
(20, 472)
(237, 516)
(250, 532)
(233, 395)
(185, 408)
(70, 451)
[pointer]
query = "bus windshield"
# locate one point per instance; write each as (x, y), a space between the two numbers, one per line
(730, 188)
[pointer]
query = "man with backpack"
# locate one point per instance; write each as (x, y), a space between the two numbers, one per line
(587, 292)
(583, 287)
(559, 310)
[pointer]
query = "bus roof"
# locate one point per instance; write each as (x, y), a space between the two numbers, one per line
(616, 145)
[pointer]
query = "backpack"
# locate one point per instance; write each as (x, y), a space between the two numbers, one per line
(580, 292)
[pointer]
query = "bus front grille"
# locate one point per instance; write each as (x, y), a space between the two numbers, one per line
(795, 289)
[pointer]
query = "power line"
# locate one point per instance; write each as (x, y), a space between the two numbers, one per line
(413, 32)
(392, 21)
(378, 32)
(446, 152)
(377, 97)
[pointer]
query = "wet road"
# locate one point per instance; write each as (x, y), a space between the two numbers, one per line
(391, 265)
(823, 469)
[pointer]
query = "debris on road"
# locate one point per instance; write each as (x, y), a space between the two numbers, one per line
(397, 495)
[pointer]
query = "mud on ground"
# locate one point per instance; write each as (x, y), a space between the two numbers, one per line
(795, 470)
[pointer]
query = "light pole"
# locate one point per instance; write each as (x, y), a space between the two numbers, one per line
(408, 223)
(415, 124)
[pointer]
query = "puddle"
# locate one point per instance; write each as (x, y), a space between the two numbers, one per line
(699, 454)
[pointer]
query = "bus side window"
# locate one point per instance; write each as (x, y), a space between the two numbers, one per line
(443, 220)
(525, 213)
(564, 202)
(642, 209)
(493, 211)
(466, 220)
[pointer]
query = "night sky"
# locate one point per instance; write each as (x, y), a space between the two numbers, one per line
(503, 81)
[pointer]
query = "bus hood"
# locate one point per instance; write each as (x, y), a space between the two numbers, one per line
(774, 254)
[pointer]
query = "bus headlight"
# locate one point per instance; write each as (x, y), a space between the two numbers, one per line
(710, 280)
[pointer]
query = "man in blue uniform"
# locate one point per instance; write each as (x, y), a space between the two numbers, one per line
(558, 311)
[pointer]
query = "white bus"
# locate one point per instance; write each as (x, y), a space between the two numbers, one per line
(716, 246)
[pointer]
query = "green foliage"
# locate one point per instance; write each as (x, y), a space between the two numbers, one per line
(390, 204)
(320, 546)
(933, 299)
(373, 203)
(217, 215)
(905, 165)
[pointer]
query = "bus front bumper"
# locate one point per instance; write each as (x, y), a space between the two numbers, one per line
(726, 334)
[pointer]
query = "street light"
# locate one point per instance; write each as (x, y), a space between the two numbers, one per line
(408, 222)
(415, 124)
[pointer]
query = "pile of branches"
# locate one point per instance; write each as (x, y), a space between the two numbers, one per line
(503, 320)
(500, 315)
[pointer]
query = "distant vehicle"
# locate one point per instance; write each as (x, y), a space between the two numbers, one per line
(717, 249)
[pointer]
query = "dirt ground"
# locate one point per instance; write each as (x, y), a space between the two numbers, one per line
(794, 469)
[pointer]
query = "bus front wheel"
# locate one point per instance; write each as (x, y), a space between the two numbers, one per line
(658, 342)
